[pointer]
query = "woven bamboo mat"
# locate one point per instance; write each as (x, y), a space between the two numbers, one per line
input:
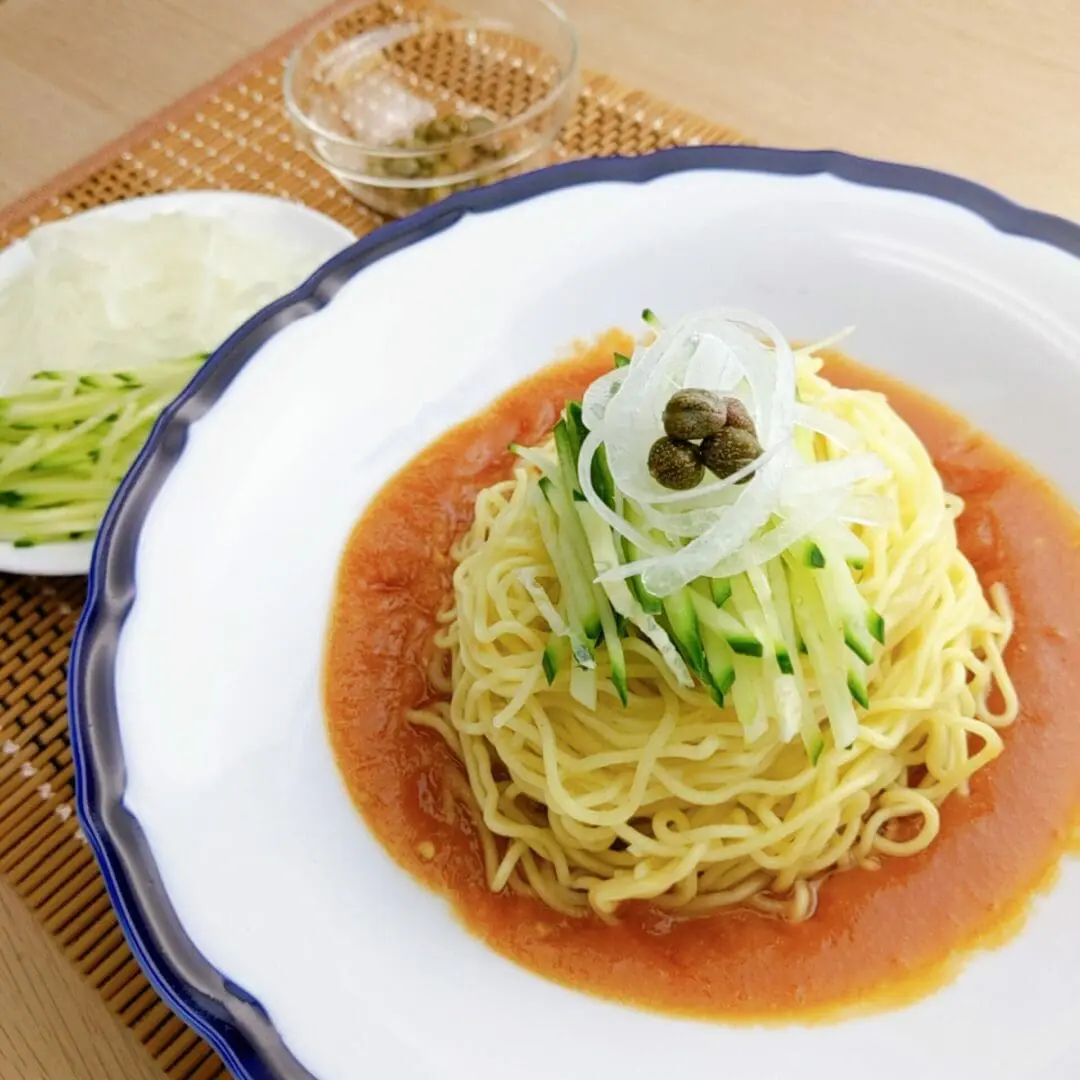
(231, 134)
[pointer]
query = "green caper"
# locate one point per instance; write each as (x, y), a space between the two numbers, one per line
(404, 167)
(693, 414)
(738, 417)
(730, 450)
(675, 463)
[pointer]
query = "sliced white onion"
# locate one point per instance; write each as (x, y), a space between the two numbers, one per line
(664, 646)
(799, 523)
(599, 395)
(543, 602)
(718, 523)
(845, 435)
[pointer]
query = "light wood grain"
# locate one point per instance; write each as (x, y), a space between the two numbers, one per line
(985, 88)
(54, 1026)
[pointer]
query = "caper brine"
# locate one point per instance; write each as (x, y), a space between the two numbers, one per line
(457, 147)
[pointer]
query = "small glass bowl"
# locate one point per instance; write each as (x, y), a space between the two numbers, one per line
(406, 103)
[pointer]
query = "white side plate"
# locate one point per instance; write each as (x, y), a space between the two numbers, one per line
(292, 221)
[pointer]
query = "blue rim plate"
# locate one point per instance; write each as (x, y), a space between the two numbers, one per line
(227, 1016)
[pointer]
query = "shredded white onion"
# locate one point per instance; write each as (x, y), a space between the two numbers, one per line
(109, 295)
(720, 527)
(538, 595)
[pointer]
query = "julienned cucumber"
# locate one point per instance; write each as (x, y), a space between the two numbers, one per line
(576, 592)
(739, 637)
(721, 590)
(66, 441)
(742, 637)
(682, 620)
(648, 601)
(556, 656)
(580, 543)
(846, 606)
(833, 664)
(807, 553)
(573, 535)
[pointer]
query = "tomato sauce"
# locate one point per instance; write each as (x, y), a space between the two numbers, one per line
(878, 937)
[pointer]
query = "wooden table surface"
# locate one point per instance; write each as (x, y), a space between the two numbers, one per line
(985, 88)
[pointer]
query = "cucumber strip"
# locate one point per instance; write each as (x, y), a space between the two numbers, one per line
(602, 479)
(847, 607)
(681, 613)
(602, 549)
(47, 450)
(719, 662)
(841, 541)
(753, 601)
(746, 699)
(35, 413)
(649, 316)
(649, 601)
(576, 429)
(721, 590)
(622, 360)
(556, 656)
(55, 491)
(778, 587)
(579, 565)
(827, 652)
(583, 687)
(616, 656)
(56, 523)
(807, 553)
(735, 633)
(622, 600)
(575, 592)
(856, 683)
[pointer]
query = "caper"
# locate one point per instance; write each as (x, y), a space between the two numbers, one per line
(404, 167)
(675, 463)
(730, 450)
(738, 417)
(693, 414)
(438, 130)
(460, 157)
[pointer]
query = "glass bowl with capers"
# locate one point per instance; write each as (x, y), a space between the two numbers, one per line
(703, 431)
(406, 103)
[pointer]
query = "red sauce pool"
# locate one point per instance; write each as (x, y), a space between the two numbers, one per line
(878, 937)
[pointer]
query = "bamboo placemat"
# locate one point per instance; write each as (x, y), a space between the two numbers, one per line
(230, 134)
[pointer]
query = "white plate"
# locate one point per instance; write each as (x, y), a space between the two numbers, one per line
(292, 221)
(206, 781)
